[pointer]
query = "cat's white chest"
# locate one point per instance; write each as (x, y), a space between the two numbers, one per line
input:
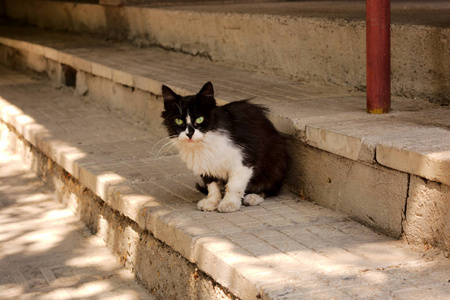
(215, 155)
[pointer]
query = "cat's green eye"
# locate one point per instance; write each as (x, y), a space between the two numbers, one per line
(179, 121)
(199, 120)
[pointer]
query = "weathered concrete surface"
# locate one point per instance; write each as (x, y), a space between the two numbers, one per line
(141, 105)
(46, 252)
(275, 38)
(404, 12)
(427, 213)
(330, 120)
(142, 206)
(418, 157)
(373, 195)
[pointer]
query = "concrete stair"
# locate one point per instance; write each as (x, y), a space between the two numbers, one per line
(388, 172)
(377, 169)
(144, 207)
(317, 41)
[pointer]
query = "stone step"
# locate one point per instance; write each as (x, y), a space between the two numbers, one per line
(47, 252)
(386, 171)
(316, 41)
(144, 207)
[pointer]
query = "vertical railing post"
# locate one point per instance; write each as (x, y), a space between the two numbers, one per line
(378, 60)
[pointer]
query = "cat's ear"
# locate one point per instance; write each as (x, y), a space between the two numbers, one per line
(207, 90)
(206, 94)
(169, 96)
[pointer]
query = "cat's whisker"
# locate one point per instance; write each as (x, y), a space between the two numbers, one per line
(164, 153)
(168, 149)
(165, 148)
(161, 140)
(164, 139)
(167, 145)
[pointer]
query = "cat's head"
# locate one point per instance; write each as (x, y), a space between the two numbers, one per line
(189, 118)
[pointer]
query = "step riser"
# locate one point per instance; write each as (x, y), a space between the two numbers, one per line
(285, 45)
(166, 273)
(143, 108)
(393, 202)
(372, 195)
(427, 200)
(330, 180)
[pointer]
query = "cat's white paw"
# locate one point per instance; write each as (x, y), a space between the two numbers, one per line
(207, 204)
(229, 204)
(253, 199)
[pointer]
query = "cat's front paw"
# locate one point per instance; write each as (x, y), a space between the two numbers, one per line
(229, 204)
(253, 199)
(207, 204)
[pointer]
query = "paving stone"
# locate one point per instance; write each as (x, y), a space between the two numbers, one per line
(328, 294)
(47, 253)
(431, 292)
(365, 292)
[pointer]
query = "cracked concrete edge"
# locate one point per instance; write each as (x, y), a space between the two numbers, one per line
(334, 142)
(427, 200)
(317, 135)
(434, 166)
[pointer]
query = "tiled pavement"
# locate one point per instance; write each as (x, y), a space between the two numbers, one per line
(45, 251)
(285, 248)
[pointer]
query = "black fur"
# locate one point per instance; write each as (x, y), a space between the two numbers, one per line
(263, 147)
(201, 188)
(206, 180)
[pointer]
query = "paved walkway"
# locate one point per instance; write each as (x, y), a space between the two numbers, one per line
(285, 248)
(46, 252)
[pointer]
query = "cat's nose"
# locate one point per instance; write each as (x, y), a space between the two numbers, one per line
(190, 132)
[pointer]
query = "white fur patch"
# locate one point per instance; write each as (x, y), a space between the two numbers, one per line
(212, 200)
(253, 199)
(237, 183)
(210, 154)
(188, 119)
(214, 154)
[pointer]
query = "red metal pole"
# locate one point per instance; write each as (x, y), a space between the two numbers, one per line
(378, 60)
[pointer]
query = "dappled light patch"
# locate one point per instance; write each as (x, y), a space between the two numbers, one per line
(46, 251)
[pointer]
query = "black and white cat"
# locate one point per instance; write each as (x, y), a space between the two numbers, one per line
(233, 146)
